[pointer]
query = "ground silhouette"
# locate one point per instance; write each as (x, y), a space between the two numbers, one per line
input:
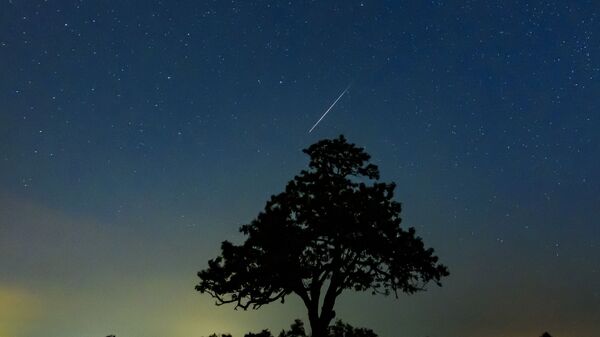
(335, 227)
(339, 329)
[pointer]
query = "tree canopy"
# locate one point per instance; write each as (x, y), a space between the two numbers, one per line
(335, 227)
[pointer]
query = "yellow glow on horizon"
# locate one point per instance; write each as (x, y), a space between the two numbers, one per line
(17, 308)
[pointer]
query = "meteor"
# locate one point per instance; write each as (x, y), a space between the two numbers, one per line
(342, 94)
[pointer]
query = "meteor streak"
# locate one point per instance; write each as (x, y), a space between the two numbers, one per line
(342, 94)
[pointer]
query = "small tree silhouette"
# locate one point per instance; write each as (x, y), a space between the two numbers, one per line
(264, 333)
(335, 227)
(546, 335)
(296, 330)
(341, 329)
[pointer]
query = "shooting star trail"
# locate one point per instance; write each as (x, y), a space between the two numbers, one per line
(339, 97)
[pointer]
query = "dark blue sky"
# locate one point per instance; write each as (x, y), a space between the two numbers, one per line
(136, 135)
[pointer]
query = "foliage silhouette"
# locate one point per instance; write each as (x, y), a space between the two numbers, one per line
(335, 227)
(339, 329)
(296, 330)
(264, 333)
(545, 334)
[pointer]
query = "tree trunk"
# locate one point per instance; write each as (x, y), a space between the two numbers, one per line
(313, 318)
(318, 329)
(319, 326)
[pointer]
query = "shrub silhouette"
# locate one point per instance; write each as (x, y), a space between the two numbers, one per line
(333, 228)
(264, 333)
(296, 330)
(339, 329)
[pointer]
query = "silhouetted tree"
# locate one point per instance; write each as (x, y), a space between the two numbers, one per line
(546, 335)
(335, 227)
(296, 330)
(264, 333)
(341, 329)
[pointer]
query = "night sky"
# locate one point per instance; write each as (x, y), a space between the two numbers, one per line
(135, 136)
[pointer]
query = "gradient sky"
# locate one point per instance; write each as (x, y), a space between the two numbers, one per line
(137, 135)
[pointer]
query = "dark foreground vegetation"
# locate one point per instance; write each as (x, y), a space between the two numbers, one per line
(339, 329)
